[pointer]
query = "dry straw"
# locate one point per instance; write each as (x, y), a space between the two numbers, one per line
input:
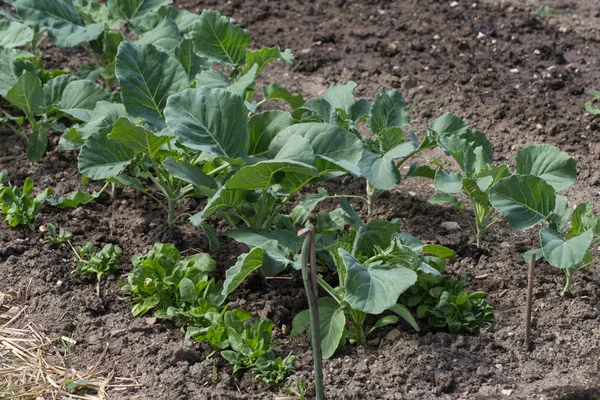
(32, 367)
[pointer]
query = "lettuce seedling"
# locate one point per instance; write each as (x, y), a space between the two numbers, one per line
(490, 188)
(53, 236)
(171, 286)
(104, 262)
(390, 144)
(374, 267)
(17, 205)
(570, 249)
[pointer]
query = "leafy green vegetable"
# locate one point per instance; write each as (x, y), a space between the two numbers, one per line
(104, 262)
(56, 237)
(17, 205)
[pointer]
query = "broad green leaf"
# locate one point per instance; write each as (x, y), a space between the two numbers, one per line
(92, 12)
(266, 55)
(255, 237)
(211, 120)
(560, 215)
(384, 321)
(64, 25)
(549, 163)
(223, 200)
(183, 18)
(350, 215)
(165, 36)
(103, 116)
(101, 158)
(446, 198)
(584, 219)
(73, 199)
(332, 322)
(264, 174)
(447, 182)
(187, 291)
(376, 233)
(439, 251)
(27, 94)
(14, 34)
(8, 75)
(319, 110)
(326, 140)
(36, 146)
(217, 38)
(406, 315)
(376, 289)
(148, 77)
(306, 205)
(300, 323)
(80, 97)
(137, 138)
(245, 265)
(245, 81)
(380, 172)
(130, 9)
(562, 253)
(448, 124)
(55, 87)
(392, 137)
(263, 127)
(192, 63)
(471, 150)
(389, 110)
(524, 201)
(212, 80)
(360, 110)
(341, 96)
(277, 92)
(189, 173)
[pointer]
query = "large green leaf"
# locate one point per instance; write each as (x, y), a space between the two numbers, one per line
(14, 34)
(262, 175)
(27, 94)
(64, 25)
(8, 75)
(189, 173)
(137, 138)
(244, 82)
(245, 265)
(523, 200)
(562, 253)
(130, 9)
(341, 97)
(332, 322)
(266, 55)
(584, 219)
(224, 200)
(211, 120)
(376, 233)
(326, 140)
(380, 172)
(255, 237)
(549, 163)
(263, 127)
(276, 92)
(470, 148)
(388, 110)
(55, 87)
(165, 36)
(36, 146)
(80, 97)
(148, 77)
(447, 182)
(447, 124)
(192, 63)
(103, 116)
(101, 158)
(217, 38)
(374, 290)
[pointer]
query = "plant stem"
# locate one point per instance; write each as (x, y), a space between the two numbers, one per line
(358, 318)
(172, 204)
(372, 195)
(310, 286)
(569, 276)
(530, 277)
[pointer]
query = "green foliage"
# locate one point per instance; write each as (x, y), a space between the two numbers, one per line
(444, 303)
(53, 236)
(17, 205)
(590, 105)
(101, 263)
(171, 286)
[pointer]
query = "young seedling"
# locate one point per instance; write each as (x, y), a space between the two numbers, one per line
(101, 263)
(17, 205)
(591, 105)
(53, 236)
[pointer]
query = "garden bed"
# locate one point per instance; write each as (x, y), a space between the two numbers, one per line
(511, 71)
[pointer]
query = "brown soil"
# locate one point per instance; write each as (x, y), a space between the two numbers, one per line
(436, 56)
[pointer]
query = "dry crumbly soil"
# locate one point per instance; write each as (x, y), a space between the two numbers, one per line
(518, 77)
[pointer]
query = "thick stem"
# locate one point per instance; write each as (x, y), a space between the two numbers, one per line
(172, 205)
(358, 319)
(309, 254)
(372, 195)
(569, 280)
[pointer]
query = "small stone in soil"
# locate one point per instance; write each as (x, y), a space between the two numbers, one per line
(450, 226)
(393, 335)
(482, 371)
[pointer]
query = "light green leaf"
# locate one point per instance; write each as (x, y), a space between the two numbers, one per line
(384, 321)
(380, 172)
(80, 97)
(341, 96)
(137, 138)
(332, 322)
(211, 120)
(264, 127)
(8, 75)
(101, 158)
(276, 92)
(187, 291)
(103, 116)
(223, 200)
(266, 55)
(14, 34)
(148, 77)
(256, 237)
(406, 315)
(584, 219)
(389, 110)
(562, 253)
(189, 173)
(36, 146)
(165, 36)
(447, 124)
(212, 80)
(376, 233)
(64, 25)
(446, 198)
(264, 174)
(217, 38)
(192, 63)
(27, 94)
(73, 199)
(376, 289)
(549, 163)
(55, 87)
(447, 182)
(524, 201)
(246, 80)
(245, 265)
(130, 9)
